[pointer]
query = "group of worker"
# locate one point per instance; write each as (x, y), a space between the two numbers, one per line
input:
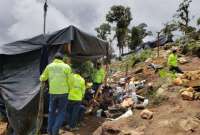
(67, 90)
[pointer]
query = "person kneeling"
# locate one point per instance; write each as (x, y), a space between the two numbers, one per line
(75, 97)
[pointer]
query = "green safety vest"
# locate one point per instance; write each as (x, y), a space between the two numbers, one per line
(99, 75)
(57, 74)
(172, 60)
(76, 87)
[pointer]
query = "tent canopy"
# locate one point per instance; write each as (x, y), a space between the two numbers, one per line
(20, 67)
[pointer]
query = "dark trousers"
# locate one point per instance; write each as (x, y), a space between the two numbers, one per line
(96, 86)
(175, 69)
(81, 113)
(57, 111)
(73, 110)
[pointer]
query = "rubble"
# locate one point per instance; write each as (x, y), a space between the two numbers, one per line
(178, 81)
(183, 60)
(146, 114)
(187, 95)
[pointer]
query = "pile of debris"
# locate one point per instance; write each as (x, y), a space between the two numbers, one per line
(191, 82)
(118, 100)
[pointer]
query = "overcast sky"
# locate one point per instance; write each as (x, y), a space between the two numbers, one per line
(21, 19)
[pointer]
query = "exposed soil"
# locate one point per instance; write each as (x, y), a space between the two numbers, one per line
(173, 117)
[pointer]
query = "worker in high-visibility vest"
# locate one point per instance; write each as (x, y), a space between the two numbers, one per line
(98, 76)
(173, 62)
(76, 94)
(57, 74)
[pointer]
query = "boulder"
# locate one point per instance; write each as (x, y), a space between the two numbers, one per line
(146, 114)
(178, 81)
(187, 95)
(160, 91)
(183, 60)
(197, 95)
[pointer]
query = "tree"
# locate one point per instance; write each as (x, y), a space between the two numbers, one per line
(198, 22)
(103, 31)
(138, 33)
(183, 15)
(168, 29)
(122, 17)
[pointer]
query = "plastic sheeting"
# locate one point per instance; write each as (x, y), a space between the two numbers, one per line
(21, 63)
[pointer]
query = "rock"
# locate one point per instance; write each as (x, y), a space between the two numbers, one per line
(188, 124)
(146, 114)
(185, 82)
(190, 89)
(178, 81)
(160, 91)
(127, 102)
(187, 95)
(183, 60)
(148, 60)
(197, 95)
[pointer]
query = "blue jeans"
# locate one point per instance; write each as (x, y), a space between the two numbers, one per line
(73, 109)
(57, 110)
(81, 113)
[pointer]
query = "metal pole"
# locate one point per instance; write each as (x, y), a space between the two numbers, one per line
(45, 15)
(40, 115)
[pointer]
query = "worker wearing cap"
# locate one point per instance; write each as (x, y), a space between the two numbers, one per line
(173, 62)
(76, 94)
(98, 76)
(57, 74)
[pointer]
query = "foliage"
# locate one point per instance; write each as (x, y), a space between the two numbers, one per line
(198, 21)
(122, 17)
(141, 57)
(166, 74)
(183, 15)
(135, 38)
(193, 47)
(168, 29)
(103, 31)
(85, 68)
(138, 33)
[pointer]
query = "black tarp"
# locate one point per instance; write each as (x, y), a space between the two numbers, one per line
(22, 61)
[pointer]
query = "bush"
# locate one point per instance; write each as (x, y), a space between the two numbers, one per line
(192, 48)
(141, 56)
(86, 68)
(145, 54)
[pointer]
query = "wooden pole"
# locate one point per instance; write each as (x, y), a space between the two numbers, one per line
(158, 44)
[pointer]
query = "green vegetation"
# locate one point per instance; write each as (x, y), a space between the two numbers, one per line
(85, 68)
(163, 73)
(138, 33)
(141, 57)
(103, 31)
